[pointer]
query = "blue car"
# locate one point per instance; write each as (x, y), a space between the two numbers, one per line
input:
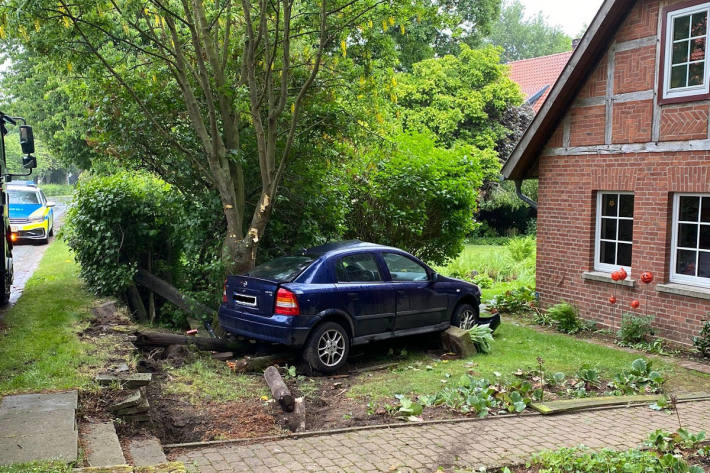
(341, 294)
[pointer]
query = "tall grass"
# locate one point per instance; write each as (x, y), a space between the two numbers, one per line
(57, 189)
(496, 268)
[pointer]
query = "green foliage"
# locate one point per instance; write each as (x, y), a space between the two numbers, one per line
(51, 190)
(585, 460)
(481, 396)
(521, 248)
(702, 341)
(518, 300)
(37, 467)
(523, 38)
(640, 378)
(671, 442)
(482, 337)
(566, 318)
(635, 329)
(504, 213)
(116, 222)
(459, 98)
(418, 196)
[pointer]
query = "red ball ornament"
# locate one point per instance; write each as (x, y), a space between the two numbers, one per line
(615, 275)
(612, 300)
(623, 274)
(635, 304)
(646, 277)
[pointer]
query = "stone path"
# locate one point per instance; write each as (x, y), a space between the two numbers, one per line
(424, 448)
(38, 427)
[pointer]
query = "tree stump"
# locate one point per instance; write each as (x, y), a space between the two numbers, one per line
(458, 341)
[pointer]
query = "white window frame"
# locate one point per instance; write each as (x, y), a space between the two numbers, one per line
(598, 265)
(669, 93)
(684, 278)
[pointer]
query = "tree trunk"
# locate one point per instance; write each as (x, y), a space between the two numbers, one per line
(160, 339)
(279, 390)
(171, 294)
(136, 303)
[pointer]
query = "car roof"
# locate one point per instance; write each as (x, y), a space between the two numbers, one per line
(338, 247)
(23, 187)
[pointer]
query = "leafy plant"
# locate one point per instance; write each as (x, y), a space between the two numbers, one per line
(702, 341)
(635, 329)
(482, 337)
(640, 378)
(565, 317)
(667, 442)
(516, 301)
(407, 407)
(589, 376)
(521, 248)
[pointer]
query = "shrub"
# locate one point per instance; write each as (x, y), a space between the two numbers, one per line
(482, 337)
(565, 317)
(518, 300)
(521, 248)
(116, 222)
(483, 281)
(635, 329)
(640, 378)
(702, 341)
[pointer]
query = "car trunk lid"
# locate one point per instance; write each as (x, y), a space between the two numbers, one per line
(251, 294)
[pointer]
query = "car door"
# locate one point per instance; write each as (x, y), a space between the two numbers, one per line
(365, 294)
(418, 302)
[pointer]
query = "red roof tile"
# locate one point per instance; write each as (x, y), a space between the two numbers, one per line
(533, 75)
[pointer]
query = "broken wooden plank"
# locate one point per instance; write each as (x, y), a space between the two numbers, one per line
(567, 405)
(249, 364)
(279, 390)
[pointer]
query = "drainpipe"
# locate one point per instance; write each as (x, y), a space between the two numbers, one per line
(523, 197)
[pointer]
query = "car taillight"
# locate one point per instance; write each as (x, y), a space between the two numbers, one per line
(286, 303)
(224, 292)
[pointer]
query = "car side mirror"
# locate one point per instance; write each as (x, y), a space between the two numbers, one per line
(29, 162)
(433, 277)
(27, 141)
(51, 204)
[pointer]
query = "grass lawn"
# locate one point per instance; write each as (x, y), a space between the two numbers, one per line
(39, 347)
(516, 347)
(37, 467)
(51, 190)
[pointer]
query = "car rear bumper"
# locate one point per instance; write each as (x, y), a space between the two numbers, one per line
(282, 329)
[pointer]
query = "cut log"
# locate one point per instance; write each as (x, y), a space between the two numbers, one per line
(297, 419)
(279, 389)
(134, 299)
(224, 356)
(250, 364)
(168, 292)
(160, 339)
(458, 341)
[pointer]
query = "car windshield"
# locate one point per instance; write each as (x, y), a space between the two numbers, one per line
(17, 196)
(282, 269)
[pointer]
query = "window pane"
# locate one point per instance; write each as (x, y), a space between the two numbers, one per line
(681, 27)
(688, 235)
(358, 268)
(704, 265)
(697, 49)
(404, 269)
(609, 229)
(704, 237)
(685, 262)
(680, 52)
(626, 230)
(679, 75)
(607, 252)
(699, 24)
(623, 258)
(689, 207)
(697, 73)
(705, 217)
(626, 205)
(609, 205)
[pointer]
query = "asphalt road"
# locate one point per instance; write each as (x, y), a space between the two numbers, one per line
(27, 254)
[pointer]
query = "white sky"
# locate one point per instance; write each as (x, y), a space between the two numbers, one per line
(571, 15)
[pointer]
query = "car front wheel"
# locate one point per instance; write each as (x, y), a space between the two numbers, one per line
(465, 316)
(327, 348)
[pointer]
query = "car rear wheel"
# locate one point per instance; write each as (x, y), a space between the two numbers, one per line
(465, 316)
(327, 348)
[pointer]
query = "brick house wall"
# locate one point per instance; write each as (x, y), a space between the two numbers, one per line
(605, 143)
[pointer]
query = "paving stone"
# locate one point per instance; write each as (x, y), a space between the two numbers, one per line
(39, 402)
(131, 400)
(102, 446)
(130, 381)
(146, 452)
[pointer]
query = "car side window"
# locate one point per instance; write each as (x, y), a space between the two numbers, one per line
(404, 269)
(360, 267)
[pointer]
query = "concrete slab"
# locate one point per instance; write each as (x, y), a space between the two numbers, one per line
(38, 447)
(24, 424)
(102, 446)
(146, 452)
(40, 402)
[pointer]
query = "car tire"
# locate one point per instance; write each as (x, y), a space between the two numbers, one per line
(51, 231)
(465, 316)
(327, 348)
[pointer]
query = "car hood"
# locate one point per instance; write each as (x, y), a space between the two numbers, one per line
(25, 210)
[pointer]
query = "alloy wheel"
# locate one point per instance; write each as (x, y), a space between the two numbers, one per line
(331, 348)
(467, 319)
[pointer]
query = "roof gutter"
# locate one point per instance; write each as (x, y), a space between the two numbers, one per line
(523, 197)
